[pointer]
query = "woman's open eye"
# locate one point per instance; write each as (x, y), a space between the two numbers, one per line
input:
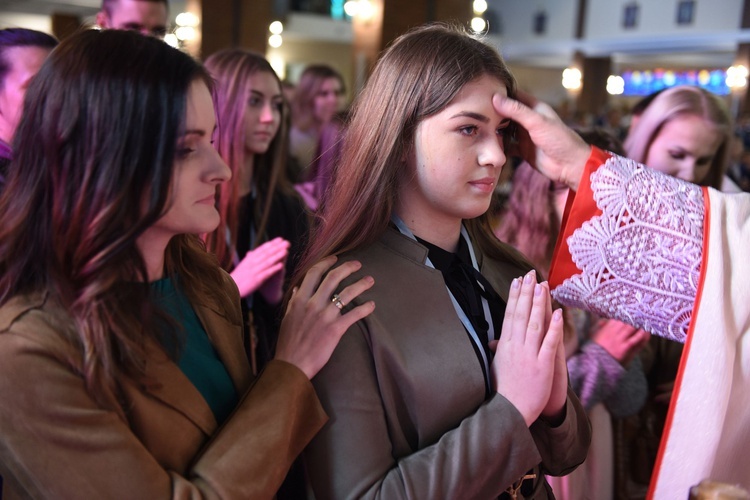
(468, 130)
(255, 101)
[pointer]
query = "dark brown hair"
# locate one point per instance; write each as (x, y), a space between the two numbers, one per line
(95, 152)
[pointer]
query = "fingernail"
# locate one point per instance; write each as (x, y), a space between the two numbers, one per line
(557, 315)
(516, 283)
(537, 290)
(529, 277)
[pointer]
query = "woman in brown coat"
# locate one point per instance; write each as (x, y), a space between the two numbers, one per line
(122, 373)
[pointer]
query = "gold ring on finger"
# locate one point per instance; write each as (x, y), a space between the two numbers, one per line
(336, 299)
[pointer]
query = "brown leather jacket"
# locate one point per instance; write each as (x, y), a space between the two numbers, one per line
(56, 442)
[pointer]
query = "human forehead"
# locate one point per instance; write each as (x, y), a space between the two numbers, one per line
(200, 108)
(692, 133)
(330, 82)
(477, 94)
(25, 59)
(265, 83)
(139, 11)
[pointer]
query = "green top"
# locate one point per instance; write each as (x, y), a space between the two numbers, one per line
(196, 356)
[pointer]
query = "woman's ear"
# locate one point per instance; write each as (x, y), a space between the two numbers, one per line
(407, 152)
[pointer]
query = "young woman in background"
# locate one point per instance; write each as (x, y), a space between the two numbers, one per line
(264, 223)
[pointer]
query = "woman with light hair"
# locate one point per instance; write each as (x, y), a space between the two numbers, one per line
(685, 132)
(317, 99)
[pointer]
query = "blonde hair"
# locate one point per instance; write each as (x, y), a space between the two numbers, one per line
(673, 103)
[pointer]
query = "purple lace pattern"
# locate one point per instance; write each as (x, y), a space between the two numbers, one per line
(640, 260)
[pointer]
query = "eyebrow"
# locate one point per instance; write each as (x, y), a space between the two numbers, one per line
(471, 114)
(480, 117)
(136, 26)
(261, 94)
(198, 131)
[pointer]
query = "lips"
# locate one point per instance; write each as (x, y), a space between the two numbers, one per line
(263, 135)
(208, 200)
(486, 184)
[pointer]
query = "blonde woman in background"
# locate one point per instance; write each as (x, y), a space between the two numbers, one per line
(685, 132)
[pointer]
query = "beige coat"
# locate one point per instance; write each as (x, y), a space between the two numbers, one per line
(56, 442)
(406, 396)
(671, 257)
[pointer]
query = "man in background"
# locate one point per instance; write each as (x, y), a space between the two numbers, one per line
(22, 53)
(148, 17)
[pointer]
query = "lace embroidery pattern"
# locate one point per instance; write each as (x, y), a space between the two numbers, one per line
(640, 259)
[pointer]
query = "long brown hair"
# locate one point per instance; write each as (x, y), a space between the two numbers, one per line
(95, 153)
(679, 101)
(231, 70)
(417, 76)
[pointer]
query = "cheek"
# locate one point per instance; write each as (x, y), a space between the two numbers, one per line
(252, 118)
(276, 123)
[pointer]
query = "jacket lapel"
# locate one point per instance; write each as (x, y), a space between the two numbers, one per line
(226, 337)
(175, 390)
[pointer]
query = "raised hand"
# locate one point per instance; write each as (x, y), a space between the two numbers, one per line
(620, 340)
(314, 324)
(525, 363)
(260, 264)
(543, 139)
(272, 289)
